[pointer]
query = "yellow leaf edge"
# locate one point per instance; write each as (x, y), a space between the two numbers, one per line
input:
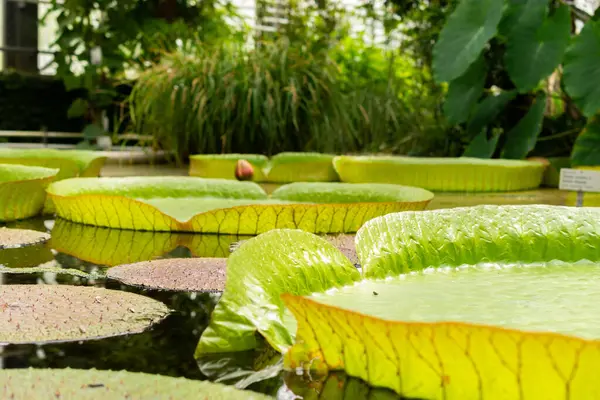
(442, 360)
(23, 198)
(107, 211)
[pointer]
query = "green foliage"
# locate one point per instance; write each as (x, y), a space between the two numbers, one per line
(522, 46)
(464, 37)
(586, 147)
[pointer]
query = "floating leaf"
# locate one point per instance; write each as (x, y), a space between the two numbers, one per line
(16, 238)
(464, 37)
(521, 139)
(23, 190)
(302, 167)
(177, 274)
(582, 68)
(57, 313)
(281, 261)
(481, 146)
(586, 149)
(451, 200)
(51, 267)
(536, 47)
(71, 163)
(223, 165)
(442, 174)
(230, 207)
(464, 92)
(99, 385)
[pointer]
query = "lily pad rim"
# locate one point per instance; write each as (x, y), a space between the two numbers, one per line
(48, 174)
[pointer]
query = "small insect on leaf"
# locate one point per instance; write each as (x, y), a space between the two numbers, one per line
(375, 293)
(244, 171)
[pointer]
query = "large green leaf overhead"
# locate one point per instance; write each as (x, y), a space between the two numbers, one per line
(464, 36)
(464, 92)
(522, 138)
(585, 150)
(482, 146)
(535, 46)
(264, 267)
(487, 110)
(582, 69)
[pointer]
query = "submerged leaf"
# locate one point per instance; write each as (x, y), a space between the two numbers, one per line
(50, 267)
(100, 385)
(23, 190)
(56, 313)
(177, 274)
(442, 174)
(16, 238)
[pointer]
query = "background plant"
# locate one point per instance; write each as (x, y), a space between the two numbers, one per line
(519, 77)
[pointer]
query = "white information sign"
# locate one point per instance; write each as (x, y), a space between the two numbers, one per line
(579, 180)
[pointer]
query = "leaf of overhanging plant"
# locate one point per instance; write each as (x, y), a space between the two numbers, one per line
(582, 68)
(464, 92)
(264, 267)
(481, 146)
(518, 13)
(464, 37)
(586, 149)
(534, 50)
(521, 139)
(487, 110)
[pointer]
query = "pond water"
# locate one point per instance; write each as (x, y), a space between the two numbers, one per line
(168, 347)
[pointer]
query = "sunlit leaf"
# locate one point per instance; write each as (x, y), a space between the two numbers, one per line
(52, 313)
(281, 261)
(227, 207)
(442, 174)
(223, 165)
(464, 37)
(98, 385)
(521, 139)
(301, 167)
(23, 190)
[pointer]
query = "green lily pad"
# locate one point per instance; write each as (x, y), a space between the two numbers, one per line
(94, 384)
(223, 165)
(110, 247)
(16, 238)
(461, 174)
(302, 167)
(190, 204)
(176, 274)
(70, 163)
(449, 303)
(57, 313)
(23, 190)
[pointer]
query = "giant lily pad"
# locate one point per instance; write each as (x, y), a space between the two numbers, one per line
(71, 163)
(177, 274)
(486, 301)
(23, 190)
(461, 174)
(302, 167)
(227, 207)
(110, 247)
(223, 165)
(282, 168)
(16, 238)
(93, 384)
(57, 313)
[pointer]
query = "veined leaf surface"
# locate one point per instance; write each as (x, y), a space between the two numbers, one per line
(23, 190)
(227, 207)
(461, 174)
